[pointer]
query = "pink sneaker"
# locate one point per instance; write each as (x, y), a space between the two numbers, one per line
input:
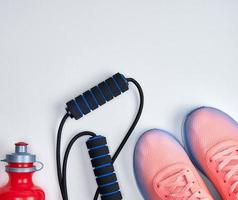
(163, 170)
(211, 138)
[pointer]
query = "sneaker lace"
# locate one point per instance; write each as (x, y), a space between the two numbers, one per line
(180, 187)
(227, 162)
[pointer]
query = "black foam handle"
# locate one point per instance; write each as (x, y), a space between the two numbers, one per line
(103, 168)
(97, 96)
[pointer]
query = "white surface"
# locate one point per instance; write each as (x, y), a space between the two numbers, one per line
(184, 54)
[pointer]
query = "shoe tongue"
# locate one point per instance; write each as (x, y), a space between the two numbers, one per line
(233, 163)
(219, 148)
(180, 179)
(170, 180)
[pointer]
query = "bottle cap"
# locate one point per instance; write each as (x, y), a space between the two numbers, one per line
(21, 155)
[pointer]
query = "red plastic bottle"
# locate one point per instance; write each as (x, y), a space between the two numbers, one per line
(20, 169)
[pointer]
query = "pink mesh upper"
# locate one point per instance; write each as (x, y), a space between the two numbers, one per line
(158, 154)
(212, 139)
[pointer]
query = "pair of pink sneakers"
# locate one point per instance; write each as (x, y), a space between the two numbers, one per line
(164, 171)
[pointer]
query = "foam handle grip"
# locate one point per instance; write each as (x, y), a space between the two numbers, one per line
(103, 168)
(97, 96)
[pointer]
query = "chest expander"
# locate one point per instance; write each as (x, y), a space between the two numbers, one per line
(99, 153)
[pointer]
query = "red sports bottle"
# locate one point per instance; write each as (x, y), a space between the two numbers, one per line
(20, 168)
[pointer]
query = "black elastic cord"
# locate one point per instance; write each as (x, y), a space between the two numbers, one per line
(58, 152)
(66, 156)
(128, 134)
(62, 172)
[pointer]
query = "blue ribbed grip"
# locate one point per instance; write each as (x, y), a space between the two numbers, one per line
(97, 96)
(103, 168)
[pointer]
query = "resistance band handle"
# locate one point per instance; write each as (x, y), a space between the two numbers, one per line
(97, 96)
(103, 168)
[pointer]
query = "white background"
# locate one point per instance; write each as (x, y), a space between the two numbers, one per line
(184, 53)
